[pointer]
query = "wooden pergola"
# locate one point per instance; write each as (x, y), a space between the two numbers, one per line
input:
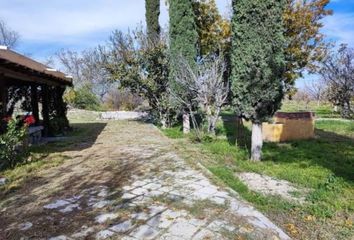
(19, 70)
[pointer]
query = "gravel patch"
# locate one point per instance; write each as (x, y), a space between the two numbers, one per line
(272, 186)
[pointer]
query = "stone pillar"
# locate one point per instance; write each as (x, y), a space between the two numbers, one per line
(34, 103)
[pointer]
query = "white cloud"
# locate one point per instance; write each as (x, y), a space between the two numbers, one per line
(46, 26)
(70, 21)
(64, 20)
(340, 27)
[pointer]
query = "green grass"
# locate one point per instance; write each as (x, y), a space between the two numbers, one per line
(322, 110)
(52, 154)
(261, 201)
(307, 163)
(173, 132)
(324, 165)
(80, 116)
(23, 172)
(341, 127)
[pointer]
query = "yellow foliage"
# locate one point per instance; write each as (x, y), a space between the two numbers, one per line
(292, 229)
(214, 31)
(302, 19)
(310, 218)
(348, 223)
(69, 95)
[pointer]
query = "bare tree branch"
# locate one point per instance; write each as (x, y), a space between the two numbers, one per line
(8, 37)
(337, 72)
(204, 87)
(87, 69)
(316, 90)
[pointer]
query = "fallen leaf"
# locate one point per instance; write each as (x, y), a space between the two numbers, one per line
(310, 218)
(292, 229)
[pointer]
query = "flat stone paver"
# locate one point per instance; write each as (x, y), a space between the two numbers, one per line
(131, 184)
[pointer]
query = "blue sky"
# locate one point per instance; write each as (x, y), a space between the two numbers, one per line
(47, 26)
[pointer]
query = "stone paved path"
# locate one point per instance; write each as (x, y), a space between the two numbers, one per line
(129, 184)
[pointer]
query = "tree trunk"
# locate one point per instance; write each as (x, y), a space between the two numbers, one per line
(186, 123)
(215, 119)
(212, 124)
(257, 142)
(240, 135)
(209, 118)
(212, 118)
(346, 111)
(163, 120)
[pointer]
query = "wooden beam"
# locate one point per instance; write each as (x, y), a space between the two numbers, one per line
(25, 77)
(43, 73)
(45, 109)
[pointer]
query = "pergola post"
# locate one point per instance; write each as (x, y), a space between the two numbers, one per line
(27, 77)
(34, 103)
(45, 109)
(3, 99)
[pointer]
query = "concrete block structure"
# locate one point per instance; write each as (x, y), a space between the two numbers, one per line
(290, 126)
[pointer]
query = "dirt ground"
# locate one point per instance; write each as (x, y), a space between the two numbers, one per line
(125, 181)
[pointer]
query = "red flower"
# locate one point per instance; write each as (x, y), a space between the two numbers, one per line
(29, 120)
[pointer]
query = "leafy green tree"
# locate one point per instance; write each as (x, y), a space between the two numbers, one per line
(152, 13)
(214, 31)
(183, 31)
(303, 20)
(258, 63)
(141, 68)
(84, 98)
(155, 62)
(183, 45)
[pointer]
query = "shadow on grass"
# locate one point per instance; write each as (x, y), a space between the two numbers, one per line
(67, 181)
(329, 150)
(83, 136)
(75, 185)
(236, 132)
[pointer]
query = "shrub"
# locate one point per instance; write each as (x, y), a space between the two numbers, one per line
(58, 125)
(12, 149)
(82, 98)
(69, 96)
(123, 100)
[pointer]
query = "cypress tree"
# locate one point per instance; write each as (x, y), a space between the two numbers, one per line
(153, 58)
(152, 13)
(183, 44)
(258, 63)
(183, 30)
